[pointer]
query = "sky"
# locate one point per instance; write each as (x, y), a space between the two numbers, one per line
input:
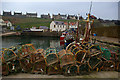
(105, 9)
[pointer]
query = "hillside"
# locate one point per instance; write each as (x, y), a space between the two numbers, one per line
(101, 29)
(29, 22)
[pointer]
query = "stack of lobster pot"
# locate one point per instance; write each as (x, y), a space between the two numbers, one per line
(80, 54)
(39, 62)
(25, 57)
(10, 62)
(67, 62)
(52, 61)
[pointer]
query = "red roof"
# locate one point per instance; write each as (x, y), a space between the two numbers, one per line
(6, 21)
(65, 23)
(70, 23)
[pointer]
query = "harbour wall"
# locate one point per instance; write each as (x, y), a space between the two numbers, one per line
(42, 34)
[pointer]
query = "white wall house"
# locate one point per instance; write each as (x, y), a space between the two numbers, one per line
(57, 26)
(2, 22)
(8, 23)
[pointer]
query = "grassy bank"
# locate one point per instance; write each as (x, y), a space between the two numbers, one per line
(102, 29)
(29, 22)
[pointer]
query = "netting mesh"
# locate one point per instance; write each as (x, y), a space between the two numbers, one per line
(83, 68)
(66, 57)
(74, 69)
(51, 58)
(93, 62)
(106, 53)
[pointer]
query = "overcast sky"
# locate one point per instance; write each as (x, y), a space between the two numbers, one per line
(106, 9)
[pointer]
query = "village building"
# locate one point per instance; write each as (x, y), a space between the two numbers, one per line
(59, 16)
(46, 16)
(57, 26)
(71, 25)
(31, 14)
(5, 24)
(7, 13)
(72, 17)
(8, 23)
(18, 14)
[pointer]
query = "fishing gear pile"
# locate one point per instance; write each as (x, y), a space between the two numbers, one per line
(77, 58)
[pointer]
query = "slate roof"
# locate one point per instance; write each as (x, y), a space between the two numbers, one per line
(59, 22)
(44, 27)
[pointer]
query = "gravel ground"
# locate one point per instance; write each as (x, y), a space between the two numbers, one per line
(102, 74)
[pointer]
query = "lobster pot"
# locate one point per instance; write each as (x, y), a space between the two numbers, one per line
(66, 57)
(50, 50)
(25, 57)
(113, 56)
(65, 69)
(25, 64)
(118, 66)
(73, 69)
(54, 68)
(39, 62)
(51, 58)
(83, 68)
(108, 66)
(39, 67)
(94, 62)
(10, 59)
(80, 56)
(95, 50)
(78, 51)
(105, 54)
(74, 47)
(5, 69)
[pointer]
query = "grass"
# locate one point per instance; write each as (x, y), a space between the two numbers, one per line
(101, 29)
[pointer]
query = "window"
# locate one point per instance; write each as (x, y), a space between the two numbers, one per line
(54, 26)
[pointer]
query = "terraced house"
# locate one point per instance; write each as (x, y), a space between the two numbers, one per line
(57, 26)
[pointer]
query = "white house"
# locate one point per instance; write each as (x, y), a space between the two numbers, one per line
(8, 23)
(57, 26)
(2, 22)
